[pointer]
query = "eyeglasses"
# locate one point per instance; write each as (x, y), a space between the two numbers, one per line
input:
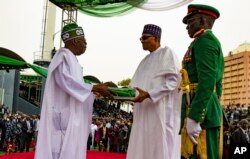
(145, 37)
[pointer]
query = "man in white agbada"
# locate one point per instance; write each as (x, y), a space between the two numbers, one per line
(156, 116)
(93, 129)
(67, 103)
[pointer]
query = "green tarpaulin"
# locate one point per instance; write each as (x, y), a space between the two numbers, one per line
(40, 70)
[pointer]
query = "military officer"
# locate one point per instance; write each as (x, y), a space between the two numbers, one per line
(202, 72)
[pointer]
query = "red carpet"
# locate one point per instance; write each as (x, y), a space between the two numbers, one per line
(90, 155)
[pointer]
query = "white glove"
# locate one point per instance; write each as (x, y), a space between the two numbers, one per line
(193, 129)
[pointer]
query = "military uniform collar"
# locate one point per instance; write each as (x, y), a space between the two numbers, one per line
(200, 32)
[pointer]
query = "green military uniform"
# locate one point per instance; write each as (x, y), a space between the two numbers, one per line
(204, 64)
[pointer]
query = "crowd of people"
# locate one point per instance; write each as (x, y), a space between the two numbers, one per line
(237, 129)
(110, 128)
(18, 131)
(109, 131)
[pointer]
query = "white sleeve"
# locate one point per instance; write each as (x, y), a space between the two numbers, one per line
(76, 88)
(170, 84)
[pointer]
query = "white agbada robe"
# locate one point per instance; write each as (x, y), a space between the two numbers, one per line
(66, 110)
(156, 121)
(93, 130)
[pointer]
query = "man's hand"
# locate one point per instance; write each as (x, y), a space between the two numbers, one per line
(142, 95)
(102, 90)
(193, 129)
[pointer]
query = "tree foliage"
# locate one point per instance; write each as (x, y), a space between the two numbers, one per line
(125, 82)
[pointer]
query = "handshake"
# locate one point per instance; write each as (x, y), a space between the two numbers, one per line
(111, 91)
(125, 94)
(102, 90)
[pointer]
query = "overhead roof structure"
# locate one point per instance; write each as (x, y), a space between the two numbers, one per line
(11, 60)
(108, 8)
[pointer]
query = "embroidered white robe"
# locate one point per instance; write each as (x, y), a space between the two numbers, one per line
(66, 110)
(156, 121)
